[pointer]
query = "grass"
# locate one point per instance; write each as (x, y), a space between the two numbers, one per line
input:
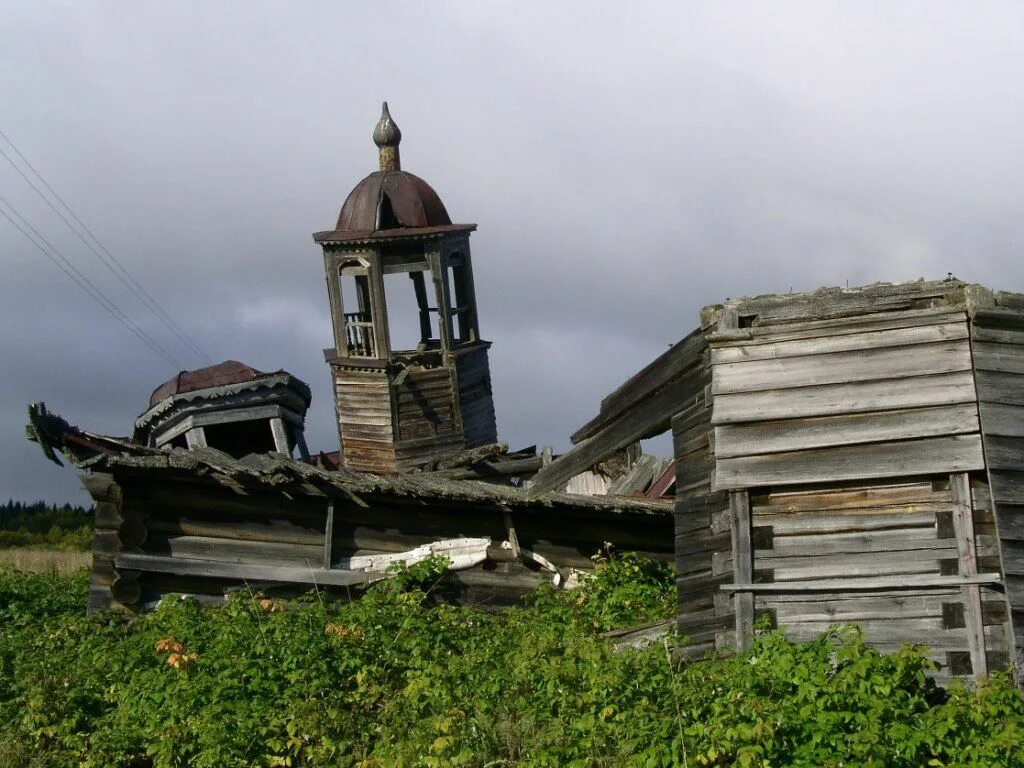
(31, 560)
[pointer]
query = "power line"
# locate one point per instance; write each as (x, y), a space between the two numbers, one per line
(109, 261)
(85, 283)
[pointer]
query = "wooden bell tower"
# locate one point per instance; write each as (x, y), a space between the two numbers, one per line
(411, 377)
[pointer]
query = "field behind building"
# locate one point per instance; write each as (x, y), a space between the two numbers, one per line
(392, 679)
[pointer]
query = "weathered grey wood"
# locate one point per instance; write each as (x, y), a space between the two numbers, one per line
(1008, 487)
(235, 550)
(963, 522)
(834, 399)
(801, 524)
(743, 566)
(653, 415)
(915, 457)
(838, 326)
(1003, 388)
(329, 534)
(841, 367)
(196, 438)
(764, 437)
(867, 340)
(248, 572)
(827, 303)
(280, 433)
(1004, 453)
(1001, 358)
(1001, 419)
(859, 584)
(680, 358)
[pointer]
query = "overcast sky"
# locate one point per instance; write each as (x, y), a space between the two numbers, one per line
(627, 163)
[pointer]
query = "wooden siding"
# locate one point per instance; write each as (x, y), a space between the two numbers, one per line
(998, 348)
(476, 403)
(856, 534)
(844, 399)
(365, 422)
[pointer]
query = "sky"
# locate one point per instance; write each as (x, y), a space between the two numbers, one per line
(627, 164)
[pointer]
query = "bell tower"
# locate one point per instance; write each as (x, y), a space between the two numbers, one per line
(412, 384)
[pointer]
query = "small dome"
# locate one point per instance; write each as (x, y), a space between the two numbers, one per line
(228, 372)
(391, 199)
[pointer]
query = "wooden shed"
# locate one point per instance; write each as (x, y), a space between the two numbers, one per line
(842, 456)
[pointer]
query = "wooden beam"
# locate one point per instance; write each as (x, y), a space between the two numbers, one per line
(650, 417)
(908, 581)
(195, 438)
(329, 534)
(280, 434)
(963, 525)
(743, 566)
(243, 571)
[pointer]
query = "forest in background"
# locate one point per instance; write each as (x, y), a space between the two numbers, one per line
(45, 526)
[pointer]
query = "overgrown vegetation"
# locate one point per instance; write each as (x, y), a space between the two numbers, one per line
(390, 680)
(42, 525)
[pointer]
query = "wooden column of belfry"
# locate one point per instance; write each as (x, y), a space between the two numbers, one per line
(963, 526)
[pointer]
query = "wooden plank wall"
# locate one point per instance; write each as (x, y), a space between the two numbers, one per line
(998, 348)
(365, 422)
(861, 532)
(702, 530)
(848, 398)
(476, 403)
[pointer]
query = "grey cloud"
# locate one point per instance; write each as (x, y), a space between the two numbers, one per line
(626, 163)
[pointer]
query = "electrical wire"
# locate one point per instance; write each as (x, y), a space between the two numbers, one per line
(84, 283)
(109, 260)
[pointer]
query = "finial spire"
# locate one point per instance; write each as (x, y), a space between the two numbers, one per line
(387, 138)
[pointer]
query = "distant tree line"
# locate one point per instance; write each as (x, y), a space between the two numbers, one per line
(38, 524)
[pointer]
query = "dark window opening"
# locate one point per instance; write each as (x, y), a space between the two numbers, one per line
(240, 438)
(460, 299)
(412, 318)
(357, 319)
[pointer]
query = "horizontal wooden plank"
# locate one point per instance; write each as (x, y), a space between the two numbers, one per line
(997, 335)
(836, 399)
(1005, 358)
(863, 584)
(1006, 388)
(841, 367)
(235, 550)
(914, 457)
(853, 542)
(1011, 522)
(839, 326)
(857, 608)
(784, 524)
(248, 571)
(849, 429)
(259, 529)
(1002, 419)
(1007, 487)
(1004, 452)
(770, 349)
(874, 497)
(828, 303)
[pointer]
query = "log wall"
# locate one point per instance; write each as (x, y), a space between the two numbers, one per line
(198, 537)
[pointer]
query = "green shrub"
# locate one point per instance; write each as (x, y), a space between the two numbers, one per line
(388, 680)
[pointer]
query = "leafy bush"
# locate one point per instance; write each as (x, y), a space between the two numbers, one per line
(390, 681)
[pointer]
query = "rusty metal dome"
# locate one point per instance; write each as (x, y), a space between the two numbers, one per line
(389, 200)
